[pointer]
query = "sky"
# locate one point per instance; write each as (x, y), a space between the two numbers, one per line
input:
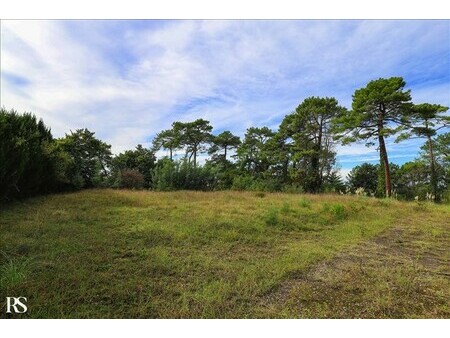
(126, 80)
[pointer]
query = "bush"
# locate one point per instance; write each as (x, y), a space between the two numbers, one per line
(305, 203)
(286, 208)
(293, 188)
(172, 175)
(26, 160)
(131, 179)
(338, 210)
(242, 182)
(272, 217)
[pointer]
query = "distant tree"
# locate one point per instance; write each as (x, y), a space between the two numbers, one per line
(441, 149)
(364, 176)
(333, 183)
(90, 158)
(223, 142)
(441, 155)
(140, 159)
(279, 150)
(424, 121)
(414, 179)
(378, 111)
(251, 154)
(219, 165)
(309, 128)
(194, 136)
(168, 139)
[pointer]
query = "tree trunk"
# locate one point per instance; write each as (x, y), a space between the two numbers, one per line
(433, 170)
(225, 153)
(170, 153)
(384, 159)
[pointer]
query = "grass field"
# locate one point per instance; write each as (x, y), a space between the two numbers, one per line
(114, 254)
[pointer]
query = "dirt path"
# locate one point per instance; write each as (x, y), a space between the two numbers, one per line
(402, 273)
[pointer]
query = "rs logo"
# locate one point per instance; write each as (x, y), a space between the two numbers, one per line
(14, 303)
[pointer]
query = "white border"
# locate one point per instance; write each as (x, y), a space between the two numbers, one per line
(230, 9)
(226, 328)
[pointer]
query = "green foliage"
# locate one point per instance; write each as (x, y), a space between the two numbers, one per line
(423, 121)
(190, 254)
(305, 203)
(26, 156)
(312, 147)
(140, 159)
(251, 154)
(243, 182)
(338, 210)
(88, 159)
(175, 175)
(286, 208)
(378, 111)
(364, 176)
(333, 183)
(298, 157)
(131, 179)
(167, 139)
(271, 217)
(14, 271)
(194, 136)
(293, 188)
(225, 141)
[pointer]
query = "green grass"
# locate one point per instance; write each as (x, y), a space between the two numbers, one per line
(113, 254)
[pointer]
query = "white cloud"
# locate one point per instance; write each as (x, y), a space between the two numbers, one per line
(129, 80)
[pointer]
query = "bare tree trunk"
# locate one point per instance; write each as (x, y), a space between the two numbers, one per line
(384, 158)
(433, 170)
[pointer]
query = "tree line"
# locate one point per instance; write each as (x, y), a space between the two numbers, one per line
(300, 156)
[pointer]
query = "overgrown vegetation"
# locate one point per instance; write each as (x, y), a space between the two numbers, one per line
(185, 254)
(298, 157)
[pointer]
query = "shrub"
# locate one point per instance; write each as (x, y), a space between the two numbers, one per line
(272, 217)
(173, 175)
(131, 179)
(338, 210)
(286, 208)
(305, 203)
(293, 188)
(242, 182)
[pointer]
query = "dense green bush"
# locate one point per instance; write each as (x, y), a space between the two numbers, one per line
(140, 159)
(175, 175)
(27, 167)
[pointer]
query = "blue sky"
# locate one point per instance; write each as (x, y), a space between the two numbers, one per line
(127, 80)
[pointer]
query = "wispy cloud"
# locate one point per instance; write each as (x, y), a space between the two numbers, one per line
(127, 80)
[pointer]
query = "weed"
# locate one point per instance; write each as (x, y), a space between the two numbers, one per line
(285, 208)
(338, 210)
(13, 272)
(272, 217)
(305, 203)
